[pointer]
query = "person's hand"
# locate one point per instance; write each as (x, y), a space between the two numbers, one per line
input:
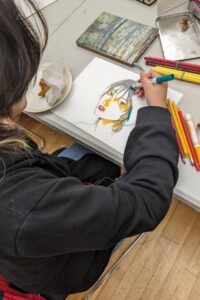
(155, 94)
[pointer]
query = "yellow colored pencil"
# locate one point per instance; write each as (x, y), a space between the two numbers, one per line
(179, 132)
(188, 151)
(181, 75)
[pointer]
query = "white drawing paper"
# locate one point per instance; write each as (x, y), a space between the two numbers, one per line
(80, 108)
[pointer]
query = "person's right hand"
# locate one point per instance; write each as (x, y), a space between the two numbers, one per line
(155, 94)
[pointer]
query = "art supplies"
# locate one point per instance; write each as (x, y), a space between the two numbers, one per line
(117, 38)
(189, 140)
(182, 154)
(129, 84)
(147, 2)
(194, 136)
(95, 115)
(177, 65)
(181, 75)
(178, 127)
(156, 80)
(188, 152)
(179, 42)
(194, 8)
(175, 125)
(184, 136)
(116, 105)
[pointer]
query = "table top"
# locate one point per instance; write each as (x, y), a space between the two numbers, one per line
(27, 9)
(68, 19)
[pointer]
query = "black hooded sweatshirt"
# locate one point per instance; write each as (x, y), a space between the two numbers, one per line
(56, 233)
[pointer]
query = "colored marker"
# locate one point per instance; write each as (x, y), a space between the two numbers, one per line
(155, 80)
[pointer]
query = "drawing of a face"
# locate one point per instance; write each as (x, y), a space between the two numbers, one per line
(112, 108)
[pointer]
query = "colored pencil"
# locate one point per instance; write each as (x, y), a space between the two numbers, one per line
(180, 147)
(186, 76)
(196, 5)
(182, 154)
(185, 128)
(167, 65)
(177, 65)
(193, 135)
(177, 127)
(188, 152)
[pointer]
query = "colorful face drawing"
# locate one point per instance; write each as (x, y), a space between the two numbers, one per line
(115, 105)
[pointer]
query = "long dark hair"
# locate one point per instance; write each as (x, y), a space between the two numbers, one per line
(21, 47)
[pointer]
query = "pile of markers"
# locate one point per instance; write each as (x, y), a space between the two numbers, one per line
(186, 135)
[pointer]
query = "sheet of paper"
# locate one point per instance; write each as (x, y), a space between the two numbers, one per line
(164, 6)
(80, 108)
(27, 10)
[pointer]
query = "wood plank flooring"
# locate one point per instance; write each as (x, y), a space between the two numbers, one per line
(164, 265)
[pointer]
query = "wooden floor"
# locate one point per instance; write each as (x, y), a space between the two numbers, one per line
(164, 265)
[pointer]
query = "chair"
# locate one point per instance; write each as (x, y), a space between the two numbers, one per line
(112, 267)
(39, 140)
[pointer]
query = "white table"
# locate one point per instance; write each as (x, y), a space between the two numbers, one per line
(22, 4)
(67, 20)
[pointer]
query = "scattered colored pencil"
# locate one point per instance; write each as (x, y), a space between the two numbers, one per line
(182, 154)
(193, 135)
(188, 152)
(177, 127)
(177, 65)
(196, 5)
(194, 156)
(186, 139)
(186, 76)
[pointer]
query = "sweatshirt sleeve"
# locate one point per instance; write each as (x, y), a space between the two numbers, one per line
(72, 217)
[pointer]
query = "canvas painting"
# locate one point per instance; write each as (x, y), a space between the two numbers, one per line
(118, 38)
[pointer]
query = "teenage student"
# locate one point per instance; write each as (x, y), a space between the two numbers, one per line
(57, 233)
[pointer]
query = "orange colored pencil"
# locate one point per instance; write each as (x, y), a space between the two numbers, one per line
(187, 134)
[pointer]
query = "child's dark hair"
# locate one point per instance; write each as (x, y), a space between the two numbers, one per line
(21, 47)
